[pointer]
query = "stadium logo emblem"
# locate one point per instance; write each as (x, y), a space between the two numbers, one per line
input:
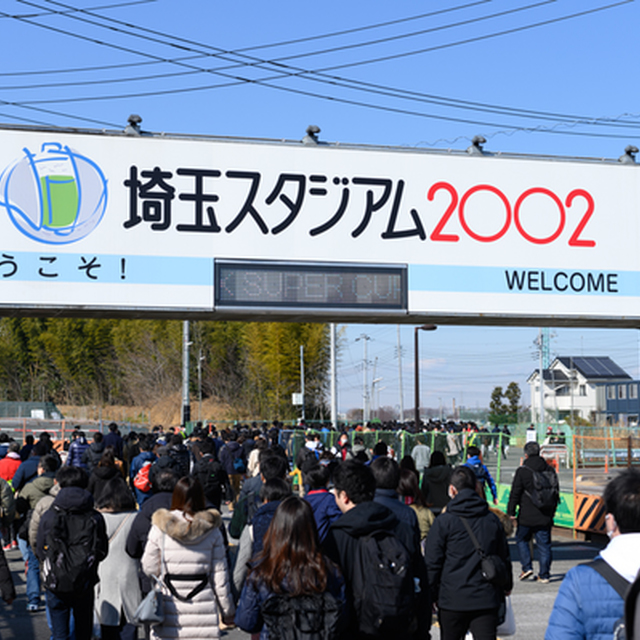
(56, 196)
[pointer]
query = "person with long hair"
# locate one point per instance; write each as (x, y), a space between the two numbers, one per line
(117, 595)
(435, 482)
(186, 551)
(412, 496)
(291, 583)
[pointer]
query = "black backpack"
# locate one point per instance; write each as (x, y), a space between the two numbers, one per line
(383, 586)
(546, 490)
(313, 617)
(72, 551)
(213, 478)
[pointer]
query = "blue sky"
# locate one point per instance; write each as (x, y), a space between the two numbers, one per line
(531, 77)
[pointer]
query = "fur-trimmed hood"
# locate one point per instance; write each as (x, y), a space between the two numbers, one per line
(176, 525)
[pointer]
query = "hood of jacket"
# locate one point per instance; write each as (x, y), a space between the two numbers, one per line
(97, 447)
(468, 504)
(174, 524)
(366, 517)
(73, 498)
(43, 482)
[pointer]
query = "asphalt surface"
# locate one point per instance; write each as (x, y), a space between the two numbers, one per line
(532, 602)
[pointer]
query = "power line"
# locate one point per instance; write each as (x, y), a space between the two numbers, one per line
(411, 95)
(346, 84)
(377, 25)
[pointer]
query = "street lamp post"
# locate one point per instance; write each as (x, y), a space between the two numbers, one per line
(416, 369)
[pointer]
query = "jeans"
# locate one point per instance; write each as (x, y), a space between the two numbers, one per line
(60, 607)
(33, 571)
(543, 542)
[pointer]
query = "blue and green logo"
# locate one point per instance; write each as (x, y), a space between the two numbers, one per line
(57, 196)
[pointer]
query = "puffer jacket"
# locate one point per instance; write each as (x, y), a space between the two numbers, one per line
(191, 546)
(586, 607)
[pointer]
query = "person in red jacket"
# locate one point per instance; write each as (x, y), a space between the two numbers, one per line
(10, 463)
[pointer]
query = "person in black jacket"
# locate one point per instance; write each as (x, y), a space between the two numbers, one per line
(466, 601)
(73, 498)
(355, 488)
(532, 521)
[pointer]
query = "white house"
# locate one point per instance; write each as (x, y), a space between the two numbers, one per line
(574, 383)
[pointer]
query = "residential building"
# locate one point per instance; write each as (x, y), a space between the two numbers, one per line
(575, 384)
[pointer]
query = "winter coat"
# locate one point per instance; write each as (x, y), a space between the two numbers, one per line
(482, 475)
(37, 489)
(27, 470)
(425, 519)
(341, 546)
(92, 455)
(325, 510)
(213, 478)
(189, 546)
(228, 454)
(78, 500)
(101, 477)
(435, 486)
(9, 465)
(182, 459)
(139, 531)
(43, 505)
(406, 515)
(421, 455)
(528, 514)
(113, 439)
(261, 521)
(453, 564)
(119, 588)
(76, 450)
(136, 464)
(254, 595)
(7, 503)
(586, 606)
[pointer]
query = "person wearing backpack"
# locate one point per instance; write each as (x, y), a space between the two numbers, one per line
(72, 541)
(385, 600)
(474, 462)
(535, 493)
(293, 590)
(145, 457)
(590, 604)
(234, 463)
(213, 478)
(460, 539)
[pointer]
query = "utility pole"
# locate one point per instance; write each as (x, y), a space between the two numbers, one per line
(302, 380)
(365, 375)
(186, 407)
(416, 371)
(334, 378)
(400, 376)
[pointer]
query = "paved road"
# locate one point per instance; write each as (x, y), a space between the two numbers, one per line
(532, 602)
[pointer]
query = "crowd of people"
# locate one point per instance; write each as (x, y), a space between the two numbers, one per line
(332, 542)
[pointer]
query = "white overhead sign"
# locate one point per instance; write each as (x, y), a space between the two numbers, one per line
(95, 223)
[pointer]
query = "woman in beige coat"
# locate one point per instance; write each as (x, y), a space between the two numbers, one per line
(186, 548)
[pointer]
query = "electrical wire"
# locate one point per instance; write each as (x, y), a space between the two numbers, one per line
(377, 25)
(490, 108)
(333, 98)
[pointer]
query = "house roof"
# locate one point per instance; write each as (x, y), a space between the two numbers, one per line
(595, 367)
(590, 367)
